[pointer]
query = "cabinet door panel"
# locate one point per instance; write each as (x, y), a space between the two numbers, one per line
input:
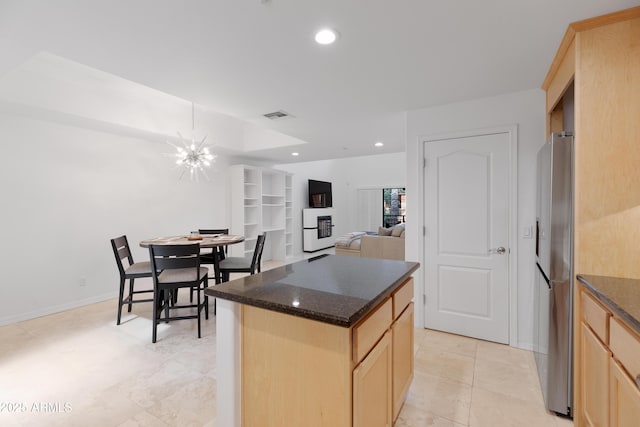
(372, 387)
(402, 357)
(625, 398)
(595, 379)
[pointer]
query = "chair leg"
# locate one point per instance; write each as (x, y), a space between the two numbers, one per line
(199, 309)
(191, 295)
(168, 297)
(214, 306)
(121, 295)
(155, 317)
(206, 300)
(130, 294)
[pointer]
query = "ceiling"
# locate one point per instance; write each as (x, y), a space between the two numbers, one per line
(246, 58)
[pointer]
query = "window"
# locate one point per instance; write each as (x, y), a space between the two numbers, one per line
(393, 206)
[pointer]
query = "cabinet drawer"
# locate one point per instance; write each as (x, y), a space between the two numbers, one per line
(367, 333)
(402, 297)
(595, 316)
(625, 346)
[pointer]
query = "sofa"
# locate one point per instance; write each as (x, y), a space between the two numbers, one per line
(387, 244)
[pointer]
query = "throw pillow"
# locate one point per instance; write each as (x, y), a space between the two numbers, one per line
(402, 234)
(384, 231)
(396, 230)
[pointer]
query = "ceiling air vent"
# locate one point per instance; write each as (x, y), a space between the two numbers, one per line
(276, 115)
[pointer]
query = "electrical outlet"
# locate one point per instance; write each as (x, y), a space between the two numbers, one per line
(82, 281)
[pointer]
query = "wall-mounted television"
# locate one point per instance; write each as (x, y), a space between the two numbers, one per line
(320, 194)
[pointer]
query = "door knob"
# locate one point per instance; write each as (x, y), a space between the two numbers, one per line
(499, 250)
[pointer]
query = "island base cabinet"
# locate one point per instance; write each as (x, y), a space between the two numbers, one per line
(595, 380)
(402, 330)
(625, 398)
(372, 387)
(295, 371)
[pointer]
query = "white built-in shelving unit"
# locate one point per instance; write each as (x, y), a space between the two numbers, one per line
(261, 201)
(288, 214)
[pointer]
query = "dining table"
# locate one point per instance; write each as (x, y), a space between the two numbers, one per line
(205, 241)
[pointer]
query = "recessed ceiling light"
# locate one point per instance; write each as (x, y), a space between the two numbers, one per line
(379, 144)
(295, 154)
(326, 36)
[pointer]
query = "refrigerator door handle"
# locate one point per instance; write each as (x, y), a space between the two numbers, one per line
(546, 279)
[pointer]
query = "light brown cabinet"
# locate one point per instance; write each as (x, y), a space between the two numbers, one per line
(380, 405)
(625, 398)
(372, 387)
(609, 395)
(595, 379)
(327, 375)
(402, 330)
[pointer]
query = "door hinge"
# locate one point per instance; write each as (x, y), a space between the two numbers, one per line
(424, 163)
(424, 231)
(424, 299)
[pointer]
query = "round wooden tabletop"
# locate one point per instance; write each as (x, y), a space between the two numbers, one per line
(205, 240)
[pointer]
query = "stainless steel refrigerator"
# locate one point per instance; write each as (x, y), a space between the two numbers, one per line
(553, 295)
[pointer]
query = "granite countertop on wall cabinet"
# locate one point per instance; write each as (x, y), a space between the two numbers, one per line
(339, 290)
(621, 296)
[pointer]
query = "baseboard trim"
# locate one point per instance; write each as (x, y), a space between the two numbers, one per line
(44, 311)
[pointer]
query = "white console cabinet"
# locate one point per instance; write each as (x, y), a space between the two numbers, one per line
(317, 224)
(261, 201)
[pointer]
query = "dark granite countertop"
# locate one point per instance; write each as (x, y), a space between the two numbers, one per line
(334, 289)
(621, 296)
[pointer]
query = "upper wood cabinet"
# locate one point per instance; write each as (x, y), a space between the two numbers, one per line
(597, 67)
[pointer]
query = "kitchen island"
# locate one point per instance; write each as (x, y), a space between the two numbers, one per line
(320, 342)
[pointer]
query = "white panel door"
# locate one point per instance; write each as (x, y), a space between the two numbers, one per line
(467, 236)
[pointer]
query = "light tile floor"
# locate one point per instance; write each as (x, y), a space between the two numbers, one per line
(78, 368)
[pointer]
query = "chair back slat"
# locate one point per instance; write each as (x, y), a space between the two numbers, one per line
(172, 263)
(124, 252)
(171, 257)
(121, 250)
(213, 231)
(174, 250)
(257, 252)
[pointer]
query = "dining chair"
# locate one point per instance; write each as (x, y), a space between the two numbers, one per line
(243, 264)
(131, 271)
(222, 250)
(174, 267)
(208, 258)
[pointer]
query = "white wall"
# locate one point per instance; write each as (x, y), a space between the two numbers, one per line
(524, 109)
(67, 191)
(347, 176)
(85, 160)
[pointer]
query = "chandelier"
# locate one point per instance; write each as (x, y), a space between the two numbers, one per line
(193, 156)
